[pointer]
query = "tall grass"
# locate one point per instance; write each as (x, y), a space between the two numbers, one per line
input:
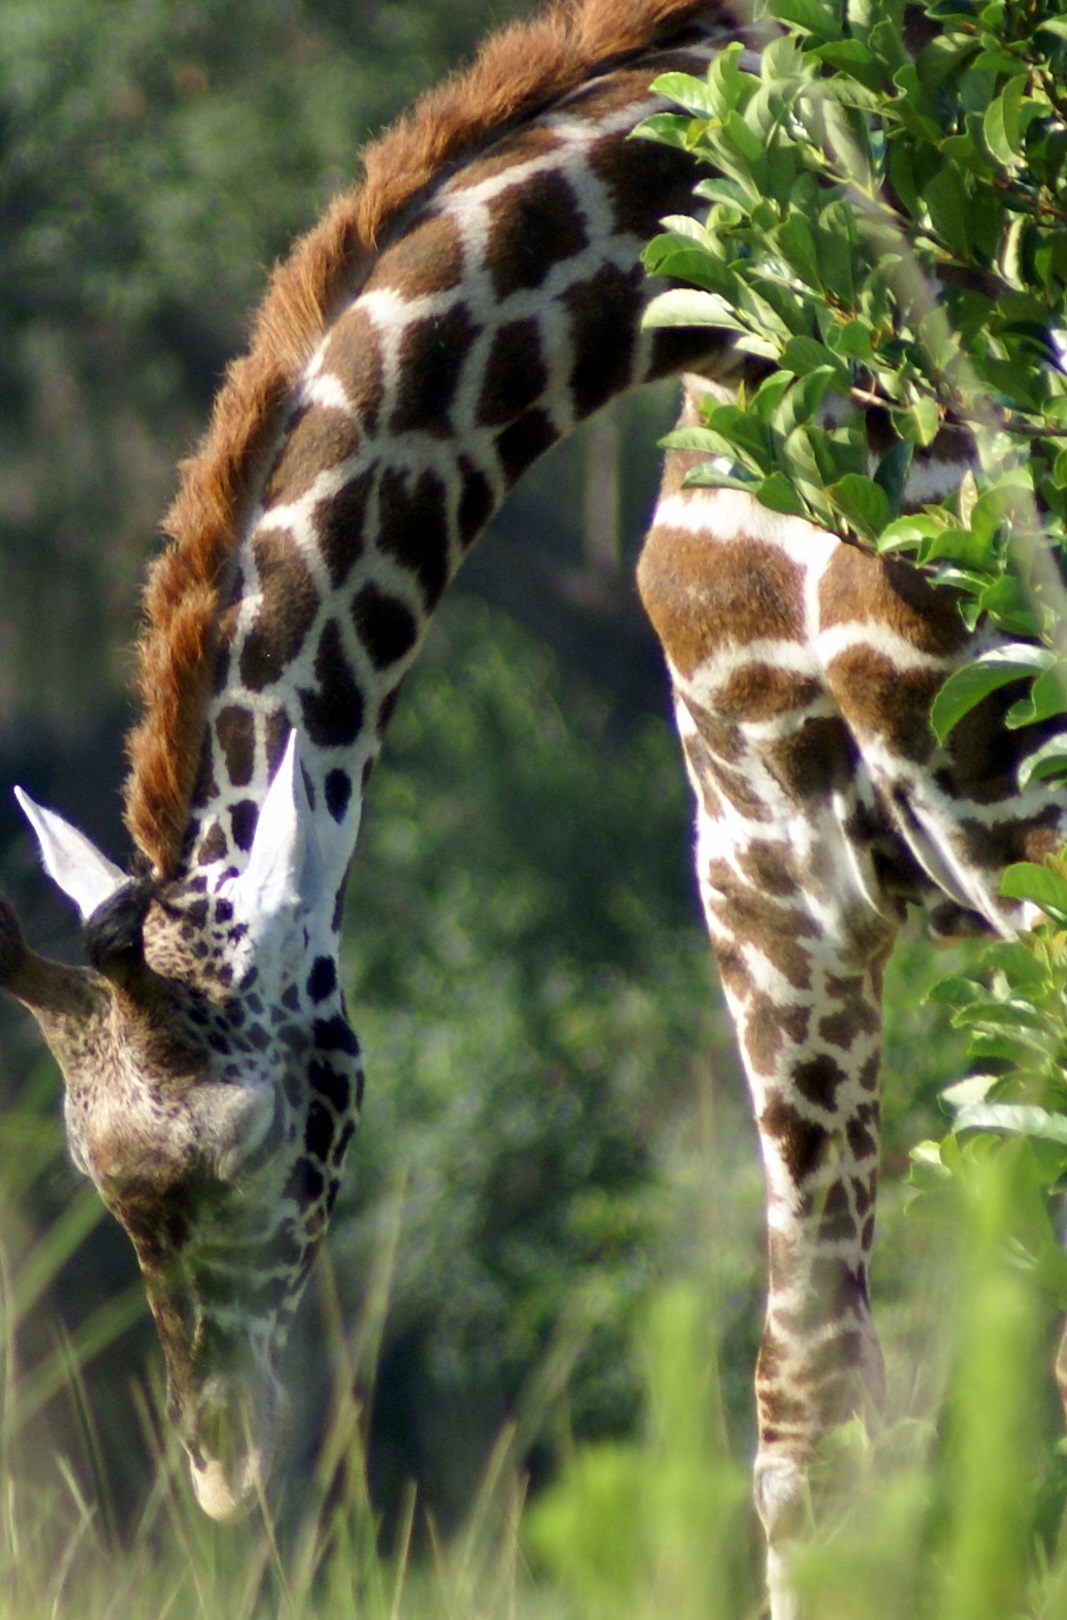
(952, 1511)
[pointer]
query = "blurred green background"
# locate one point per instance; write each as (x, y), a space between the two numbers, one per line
(554, 1124)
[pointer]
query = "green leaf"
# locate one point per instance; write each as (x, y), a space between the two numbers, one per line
(946, 204)
(957, 991)
(1047, 696)
(797, 244)
(813, 16)
(1038, 884)
(995, 132)
(768, 395)
(685, 306)
(1008, 606)
(1021, 1119)
(1048, 761)
(861, 502)
(919, 422)
(778, 493)
(852, 339)
(692, 438)
(960, 546)
(744, 430)
(804, 355)
(695, 95)
(974, 1089)
(966, 687)
(669, 129)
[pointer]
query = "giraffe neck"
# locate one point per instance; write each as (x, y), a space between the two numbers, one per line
(506, 309)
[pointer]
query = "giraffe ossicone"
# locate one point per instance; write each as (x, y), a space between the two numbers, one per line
(423, 346)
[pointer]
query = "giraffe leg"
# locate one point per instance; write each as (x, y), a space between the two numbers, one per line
(801, 933)
(813, 1069)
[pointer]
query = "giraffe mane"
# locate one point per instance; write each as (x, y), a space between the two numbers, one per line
(517, 70)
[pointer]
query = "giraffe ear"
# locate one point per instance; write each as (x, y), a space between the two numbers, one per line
(77, 866)
(284, 872)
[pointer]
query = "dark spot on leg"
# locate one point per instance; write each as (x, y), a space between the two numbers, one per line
(818, 1078)
(329, 1083)
(335, 1035)
(305, 1182)
(318, 1134)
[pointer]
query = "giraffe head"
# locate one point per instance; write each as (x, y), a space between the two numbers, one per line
(211, 1084)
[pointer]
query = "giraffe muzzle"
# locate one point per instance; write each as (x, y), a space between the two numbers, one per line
(233, 1443)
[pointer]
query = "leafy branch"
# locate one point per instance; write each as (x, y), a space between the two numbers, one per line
(887, 229)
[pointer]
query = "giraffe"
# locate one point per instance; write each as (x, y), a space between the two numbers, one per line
(803, 670)
(434, 335)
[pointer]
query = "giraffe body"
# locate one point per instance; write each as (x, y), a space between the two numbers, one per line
(213, 1079)
(804, 669)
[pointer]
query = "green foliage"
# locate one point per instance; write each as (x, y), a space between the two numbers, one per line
(891, 233)
(949, 1520)
(155, 159)
(658, 1526)
(888, 233)
(532, 988)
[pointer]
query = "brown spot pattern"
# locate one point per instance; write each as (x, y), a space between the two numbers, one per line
(523, 146)
(515, 375)
(332, 711)
(820, 755)
(288, 605)
(235, 730)
(428, 260)
(353, 355)
(841, 1028)
(340, 524)
(432, 355)
(880, 700)
(818, 1078)
(768, 1026)
(759, 691)
(752, 592)
(319, 437)
(856, 587)
(414, 527)
(533, 225)
(604, 313)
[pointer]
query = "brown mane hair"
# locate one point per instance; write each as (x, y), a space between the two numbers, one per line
(516, 71)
